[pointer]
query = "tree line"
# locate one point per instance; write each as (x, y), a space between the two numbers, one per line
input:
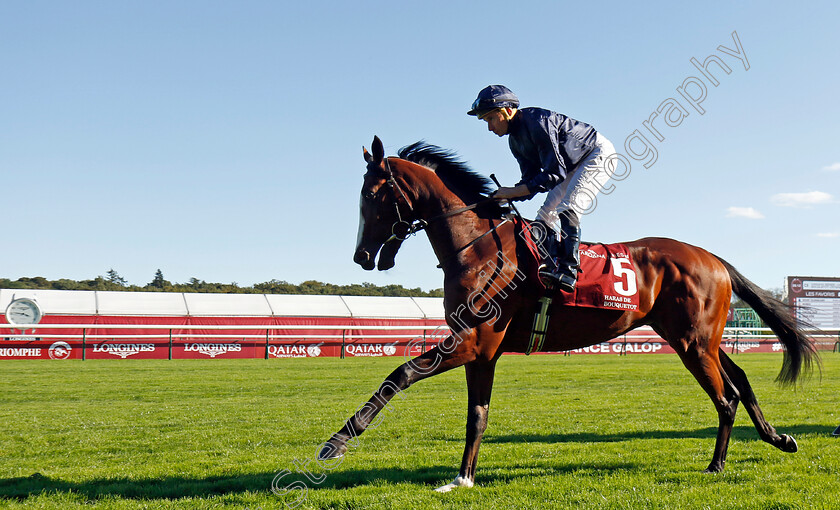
(113, 281)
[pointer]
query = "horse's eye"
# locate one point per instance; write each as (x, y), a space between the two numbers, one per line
(368, 195)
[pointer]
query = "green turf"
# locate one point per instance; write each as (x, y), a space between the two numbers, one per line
(565, 432)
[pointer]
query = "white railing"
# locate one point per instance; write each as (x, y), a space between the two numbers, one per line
(244, 327)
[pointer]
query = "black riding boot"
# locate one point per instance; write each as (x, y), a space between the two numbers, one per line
(563, 257)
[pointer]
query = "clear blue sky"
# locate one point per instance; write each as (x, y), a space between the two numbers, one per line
(222, 140)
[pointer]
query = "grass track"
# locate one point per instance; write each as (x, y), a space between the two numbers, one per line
(565, 432)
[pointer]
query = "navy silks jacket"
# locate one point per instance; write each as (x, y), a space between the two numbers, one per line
(548, 146)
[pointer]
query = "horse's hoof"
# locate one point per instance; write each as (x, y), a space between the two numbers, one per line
(789, 445)
(331, 451)
(459, 481)
(714, 468)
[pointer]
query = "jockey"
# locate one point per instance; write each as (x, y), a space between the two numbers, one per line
(558, 155)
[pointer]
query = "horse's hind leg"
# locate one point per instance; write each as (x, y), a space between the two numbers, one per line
(705, 365)
(479, 386)
(767, 433)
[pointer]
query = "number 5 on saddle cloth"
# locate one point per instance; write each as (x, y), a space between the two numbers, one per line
(606, 280)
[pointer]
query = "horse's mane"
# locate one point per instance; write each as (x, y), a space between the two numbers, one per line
(469, 185)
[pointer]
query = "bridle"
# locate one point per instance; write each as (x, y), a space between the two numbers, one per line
(402, 229)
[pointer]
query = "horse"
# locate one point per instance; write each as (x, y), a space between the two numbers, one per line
(491, 290)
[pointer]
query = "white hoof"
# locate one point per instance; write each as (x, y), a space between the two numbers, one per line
(459, 481)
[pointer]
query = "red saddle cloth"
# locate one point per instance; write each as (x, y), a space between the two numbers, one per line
(607, 279)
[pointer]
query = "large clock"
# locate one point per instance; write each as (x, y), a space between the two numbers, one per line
(23, 311)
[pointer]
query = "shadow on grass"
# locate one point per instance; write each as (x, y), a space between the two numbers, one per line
(179, 487)
(741, 433)
(151, 488)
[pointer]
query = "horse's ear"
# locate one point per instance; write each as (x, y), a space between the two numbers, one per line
(378, 150)
(366, 154)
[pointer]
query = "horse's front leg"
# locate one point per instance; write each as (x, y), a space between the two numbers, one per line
(433, 362)
(479, 386)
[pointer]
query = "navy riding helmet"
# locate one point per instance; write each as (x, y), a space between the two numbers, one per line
(492, 97)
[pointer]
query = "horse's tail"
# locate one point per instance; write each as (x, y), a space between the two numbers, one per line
(800, 353)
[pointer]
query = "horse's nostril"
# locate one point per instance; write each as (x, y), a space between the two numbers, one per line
(361, 257)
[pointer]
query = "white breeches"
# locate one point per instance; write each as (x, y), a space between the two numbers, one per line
(578, 191)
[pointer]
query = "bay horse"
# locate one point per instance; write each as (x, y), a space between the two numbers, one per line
(491, 291)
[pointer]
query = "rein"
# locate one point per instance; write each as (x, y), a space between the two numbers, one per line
(462, 248)
(402, 229)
